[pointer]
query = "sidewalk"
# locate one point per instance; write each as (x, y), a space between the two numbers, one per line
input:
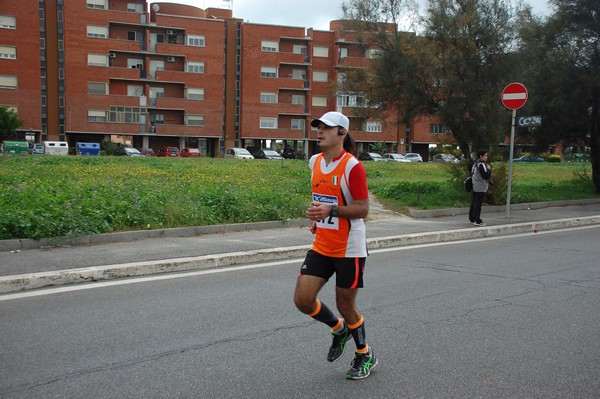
(28, 264)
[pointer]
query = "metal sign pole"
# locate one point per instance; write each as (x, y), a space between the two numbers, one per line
(510, 162)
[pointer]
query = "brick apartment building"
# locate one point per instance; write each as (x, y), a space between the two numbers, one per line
(166, 74)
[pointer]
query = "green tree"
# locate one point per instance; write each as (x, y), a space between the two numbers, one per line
(564, 74)
(468, 42)
(9, 122)
(391, 83)
(379, 147)
(455, 70)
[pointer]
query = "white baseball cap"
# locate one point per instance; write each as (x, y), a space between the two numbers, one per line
(332, 119)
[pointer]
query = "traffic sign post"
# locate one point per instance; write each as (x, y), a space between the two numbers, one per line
(514, 96)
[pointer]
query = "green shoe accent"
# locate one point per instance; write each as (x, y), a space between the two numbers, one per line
(338, 344)
(362, 366)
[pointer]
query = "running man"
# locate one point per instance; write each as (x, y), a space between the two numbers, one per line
(340, 201)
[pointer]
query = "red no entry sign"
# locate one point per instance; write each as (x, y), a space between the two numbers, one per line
(514, 96)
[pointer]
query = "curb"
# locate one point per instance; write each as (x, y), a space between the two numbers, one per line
(105, 238)
(109, 272)
(135, 235)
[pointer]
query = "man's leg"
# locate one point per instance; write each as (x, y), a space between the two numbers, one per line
(364, 359)
(305, 298)
(472, 209)
(478, 203)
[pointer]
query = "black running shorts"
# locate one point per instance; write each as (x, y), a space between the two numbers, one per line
(348, 271)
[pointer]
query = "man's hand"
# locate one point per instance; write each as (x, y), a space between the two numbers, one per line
(318, 211)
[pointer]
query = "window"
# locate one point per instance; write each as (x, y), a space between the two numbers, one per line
(300, 49)
(298, 124)
(132, 7)
(157, 92)
(298, 74)
(343, 52)
(298, 99)
(321, 51)
(268, 72)
(157, 119)
(195, 40)
(373, 127)
(8, 22)
(319, 101)
(270, 98)
(135, 91)
(351, 99)
(97, 31)
(96, 116)
(99, 4)
(269, 47)
(268, 123)
(8, 52)
(194, 120)
(127, 115)
(195, 67)
(97, 60)
(135, 63)
(195, 94)
(437, 129)
(372, 52)
(97, 88)
(135, 36)
(8, 82)
(320, 76)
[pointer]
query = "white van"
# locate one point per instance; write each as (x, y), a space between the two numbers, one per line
(56, 148)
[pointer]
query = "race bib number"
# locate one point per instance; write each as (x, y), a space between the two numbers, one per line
(330, 222)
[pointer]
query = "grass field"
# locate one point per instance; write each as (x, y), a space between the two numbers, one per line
(43, 197)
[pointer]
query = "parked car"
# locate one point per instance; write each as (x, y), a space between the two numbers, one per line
(36, 149)
(148, 152)
(190, 152)
(528, 158)
(445, 158)
(395, 157)
(266, 154)
(240, 153)
(128, 152)
(252, 149)
(370, 156)
(168, 152)
(288, 153)
(413, 157)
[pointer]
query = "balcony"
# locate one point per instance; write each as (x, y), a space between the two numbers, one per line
(295, 84)
(353, 62)
(172, 76)
(292, 109)
(125, 73)
(293, 59)
(191, 106)
(129, 46)
(184, 130)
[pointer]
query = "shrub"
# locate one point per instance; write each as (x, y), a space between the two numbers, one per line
(554, 159)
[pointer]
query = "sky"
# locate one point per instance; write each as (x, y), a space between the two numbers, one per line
(306, 13)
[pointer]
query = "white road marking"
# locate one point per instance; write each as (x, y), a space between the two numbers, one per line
(86, 286)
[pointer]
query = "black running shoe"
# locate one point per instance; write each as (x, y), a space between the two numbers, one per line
(362, 366)
(338, 344)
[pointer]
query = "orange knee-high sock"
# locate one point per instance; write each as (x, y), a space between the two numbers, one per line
(323, 314)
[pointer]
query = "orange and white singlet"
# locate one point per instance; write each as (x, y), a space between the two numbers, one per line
(338, 237)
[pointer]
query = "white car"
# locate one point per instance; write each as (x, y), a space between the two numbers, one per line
(395, 157)
(445, 158)
(240, 153)
(413, 157)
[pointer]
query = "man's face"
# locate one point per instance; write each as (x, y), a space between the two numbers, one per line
(327, 136)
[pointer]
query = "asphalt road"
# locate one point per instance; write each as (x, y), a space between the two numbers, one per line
(502, 317)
